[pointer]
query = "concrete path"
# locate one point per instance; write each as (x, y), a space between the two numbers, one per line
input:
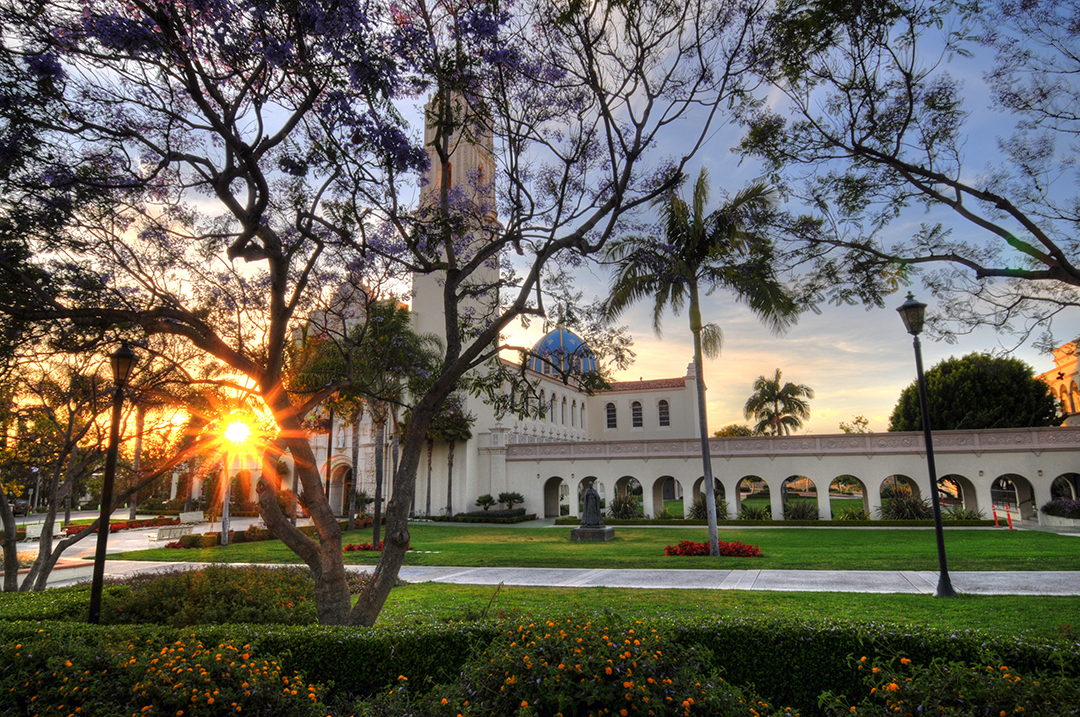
(78, 568)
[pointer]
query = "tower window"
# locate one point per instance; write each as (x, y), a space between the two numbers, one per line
(665, 413)
(611, 423)
(635, 414)
(564, 410)
(573, 414)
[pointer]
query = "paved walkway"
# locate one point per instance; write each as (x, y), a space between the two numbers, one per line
(78, 568)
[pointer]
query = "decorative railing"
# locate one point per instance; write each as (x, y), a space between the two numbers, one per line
(1000, 440)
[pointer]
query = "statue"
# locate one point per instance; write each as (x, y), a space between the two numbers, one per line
(592, 515)
(592, 528)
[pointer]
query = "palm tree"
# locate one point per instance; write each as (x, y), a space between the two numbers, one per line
(725, 249)
(778, 409)
(451, 425)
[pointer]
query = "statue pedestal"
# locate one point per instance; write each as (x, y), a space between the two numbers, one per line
(592, 534)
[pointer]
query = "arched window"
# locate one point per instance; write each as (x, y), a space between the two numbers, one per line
(664, 413)
(551, 409)
(543, 399)
(611, 423)
(573, 414)
(635, 415)
(582, 415)
(563, 410)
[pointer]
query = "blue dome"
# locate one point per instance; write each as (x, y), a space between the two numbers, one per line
(562, 349)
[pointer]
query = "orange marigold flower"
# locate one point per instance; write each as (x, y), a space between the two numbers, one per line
(607, 670)
(892, 687)
(905, 661)
(444, 700)
(524, 703)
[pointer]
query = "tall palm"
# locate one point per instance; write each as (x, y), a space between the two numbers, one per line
(725, 249)
(778, 408)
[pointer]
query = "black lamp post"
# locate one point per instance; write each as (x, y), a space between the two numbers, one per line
(122, 362)
(914, 314)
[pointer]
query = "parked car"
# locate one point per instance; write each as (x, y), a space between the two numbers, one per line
(20, 506)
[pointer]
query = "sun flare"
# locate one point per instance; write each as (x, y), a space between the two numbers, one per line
(237, 432)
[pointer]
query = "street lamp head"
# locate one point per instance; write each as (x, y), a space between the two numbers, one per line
(122, 362)
(913, 313)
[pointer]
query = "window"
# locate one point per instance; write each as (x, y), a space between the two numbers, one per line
(665, 413)
(543, 399)
(551, 408)
(564, 410)
(573, 414)
(635, 414)
(582, 415)
(611, 423)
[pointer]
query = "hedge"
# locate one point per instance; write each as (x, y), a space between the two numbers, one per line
(679, 522)
(789, 661)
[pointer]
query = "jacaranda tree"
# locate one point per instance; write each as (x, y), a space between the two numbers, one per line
(249, 158)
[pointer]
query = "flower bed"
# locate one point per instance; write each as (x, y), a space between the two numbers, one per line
(125, 525)
(366, 547)
(1063, 508)
(727, 550)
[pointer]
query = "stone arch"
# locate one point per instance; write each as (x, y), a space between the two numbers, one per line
(899, 481)
(751, 488)
(573, 414)
(699, 490)
(1074, 397)
(848, 492)
(668, 488)
(341, 479)
(562, 419)
(553, 496)
(1065, 396)
(1013, 493)
(628, 484)
(1065, 485)
(583, 484)
(800, 497)
(956, 489)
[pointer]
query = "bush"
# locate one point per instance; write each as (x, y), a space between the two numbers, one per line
(755, 512)
(216, 594)
(698, 508)
(624, 506)
(801, 510)
(959, 512)
(900, 504)
(510, 499)
(577, 668)
(900, 687)
(485, 501)
(854, 515)
(1063, 508)
(727, 550)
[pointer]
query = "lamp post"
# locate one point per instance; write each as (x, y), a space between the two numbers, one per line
(914, 314)
(122, 362)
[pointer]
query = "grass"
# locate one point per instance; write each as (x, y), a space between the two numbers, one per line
(1007, 615)
(642, 548)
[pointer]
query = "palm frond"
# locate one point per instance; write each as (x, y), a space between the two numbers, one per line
(712, 340)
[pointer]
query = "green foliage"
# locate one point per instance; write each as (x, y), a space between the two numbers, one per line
(485, 501)
(755, 512)
(511, 499)
(106, 673)
(898, 503)
(216, 594)
(1063, 508)
(734, 430)
(801, 510)
(624, 506)
(959, 512)
(852, 515)
(778, 409)
(978, 391)
(576, 667)
(899, 686)
(698, 508)
(859, 424)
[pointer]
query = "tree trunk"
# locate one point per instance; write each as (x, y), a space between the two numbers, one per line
(190, 487)
(140, 419)
(11, 554)
(329, 453)
(380, 438)
(355, 466)
(430, 450)
(450, 478)
(703, 424)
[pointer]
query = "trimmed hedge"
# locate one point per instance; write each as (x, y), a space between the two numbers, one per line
(678, 522)
(790, 662)
(514, 515)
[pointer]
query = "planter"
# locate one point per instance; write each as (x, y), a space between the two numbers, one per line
(1053, 521)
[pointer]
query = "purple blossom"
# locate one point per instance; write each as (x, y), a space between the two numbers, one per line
(45, 66)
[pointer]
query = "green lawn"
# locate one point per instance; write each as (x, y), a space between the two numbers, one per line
(424, 603)
(786, 549)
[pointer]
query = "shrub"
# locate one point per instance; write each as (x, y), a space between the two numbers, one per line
(800, 510)
(959, 512)
(900, 504)
(577, 668)
(727, 550)
(216, 594)
(624, 507)
(1063, 508)
(900, 687)
(124, 674)
(117, 526)
(485, 501)
(755, 512)
(853, 515)
(665, 514)
(366, 547)
(510, 499)
(698, 508)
